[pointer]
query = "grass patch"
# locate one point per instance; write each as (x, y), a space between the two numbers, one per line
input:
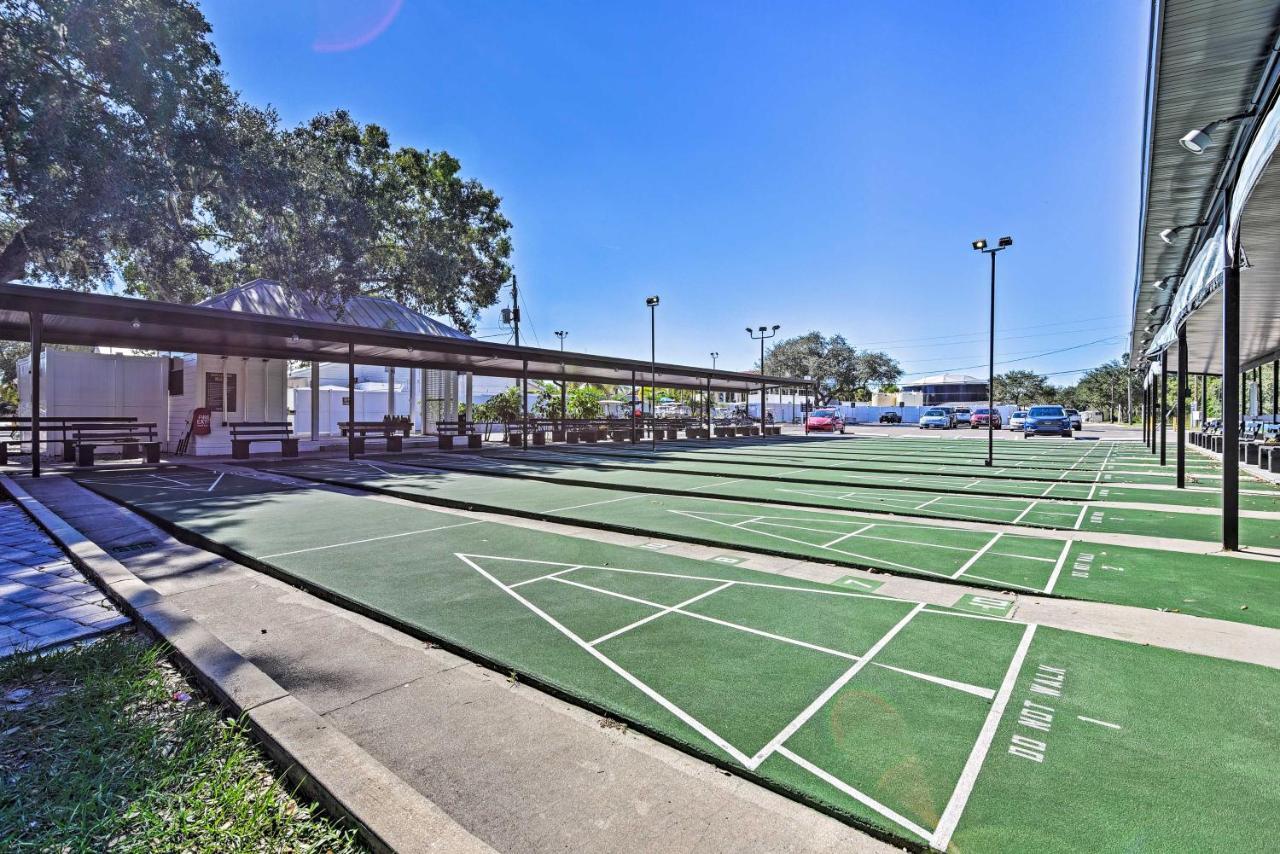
(107, 746)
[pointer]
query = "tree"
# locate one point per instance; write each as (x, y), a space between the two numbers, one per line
(503, 406)
(352, 216)
(584, 401)
(1022, 387)
(1107, 387)
(124, 155)
(117, 131)
(839, 370)
(547, 403)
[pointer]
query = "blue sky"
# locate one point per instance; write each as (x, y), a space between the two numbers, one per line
(819, 165)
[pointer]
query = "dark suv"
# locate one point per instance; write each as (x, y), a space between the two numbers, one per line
(890, 417)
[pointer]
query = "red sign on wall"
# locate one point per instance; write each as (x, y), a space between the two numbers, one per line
(201, 422)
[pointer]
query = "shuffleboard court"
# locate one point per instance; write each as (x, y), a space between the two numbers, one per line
(931, 726)
(559, 465)
(907, 459)
(1205, 585)
(1054, 514)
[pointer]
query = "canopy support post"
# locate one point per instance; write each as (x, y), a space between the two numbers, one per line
(524, 405)
(37, 333)
(315, 401)
(1182, 407)
(1231, 396)
(351, 401)
(1164, 405)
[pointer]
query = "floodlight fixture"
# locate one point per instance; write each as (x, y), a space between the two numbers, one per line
(1198, 139)
(1169, 234)
(1005, 242)
(651, 301)
(980, 244)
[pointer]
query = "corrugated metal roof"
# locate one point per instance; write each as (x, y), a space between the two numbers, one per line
(272, 299)
(1207, 58)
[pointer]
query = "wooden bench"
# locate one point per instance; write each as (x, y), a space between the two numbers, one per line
(387, 431)
(446, 432)
(245, 433)
(1269, 458)
(134, 439)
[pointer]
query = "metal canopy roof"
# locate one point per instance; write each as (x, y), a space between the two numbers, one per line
(1208, 60)
(71, 317)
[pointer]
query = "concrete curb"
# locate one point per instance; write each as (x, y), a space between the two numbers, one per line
(329, 767)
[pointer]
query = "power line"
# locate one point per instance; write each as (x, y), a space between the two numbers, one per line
(1113, 339)
(1010, 329)
(981, 338)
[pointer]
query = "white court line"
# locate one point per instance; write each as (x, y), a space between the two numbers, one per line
(1003, 583)
(654, 616)
(930, 501)
(823, 698)
(680, 713)
(858, 796)
(1093, 487)
(819, 590)
(368, 540)
(594, 503)
(1098, 722)
(1023, 514)
(976, 690)
(716, 483)
(1057, 567)
(1080, 521)
(979, 553)
(941, 838)
(216, 481)
(545, 577)
(848, 535)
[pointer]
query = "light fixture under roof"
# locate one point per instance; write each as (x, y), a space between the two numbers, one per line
(1169, 234)
(1197, 140)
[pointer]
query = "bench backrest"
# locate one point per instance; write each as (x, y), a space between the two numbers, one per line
(112, 432)
(261, 429)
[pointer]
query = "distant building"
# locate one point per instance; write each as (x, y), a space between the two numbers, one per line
(945, 388)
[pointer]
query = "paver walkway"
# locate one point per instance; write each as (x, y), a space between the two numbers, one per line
(44, 600)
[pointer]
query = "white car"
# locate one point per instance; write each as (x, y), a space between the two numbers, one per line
(1076, 422)
(936, 418)
(1018, 420)
(963, 414)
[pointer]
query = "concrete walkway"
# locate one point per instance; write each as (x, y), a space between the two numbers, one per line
(44, 600)
(514, 767)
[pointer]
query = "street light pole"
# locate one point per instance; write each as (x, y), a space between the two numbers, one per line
(564, 384)
(981, 246)
(652, 302)
(765, 334)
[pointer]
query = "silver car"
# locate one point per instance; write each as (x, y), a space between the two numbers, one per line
(1076, 422)
(936, 418)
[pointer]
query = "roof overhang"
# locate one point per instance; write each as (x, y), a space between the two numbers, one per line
(71, 317)
(1208, 59)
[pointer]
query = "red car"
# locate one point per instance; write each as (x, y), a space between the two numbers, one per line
(824, 421)
(978, 418)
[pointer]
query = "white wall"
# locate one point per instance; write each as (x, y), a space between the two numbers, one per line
(99, 384)
(371, 405)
